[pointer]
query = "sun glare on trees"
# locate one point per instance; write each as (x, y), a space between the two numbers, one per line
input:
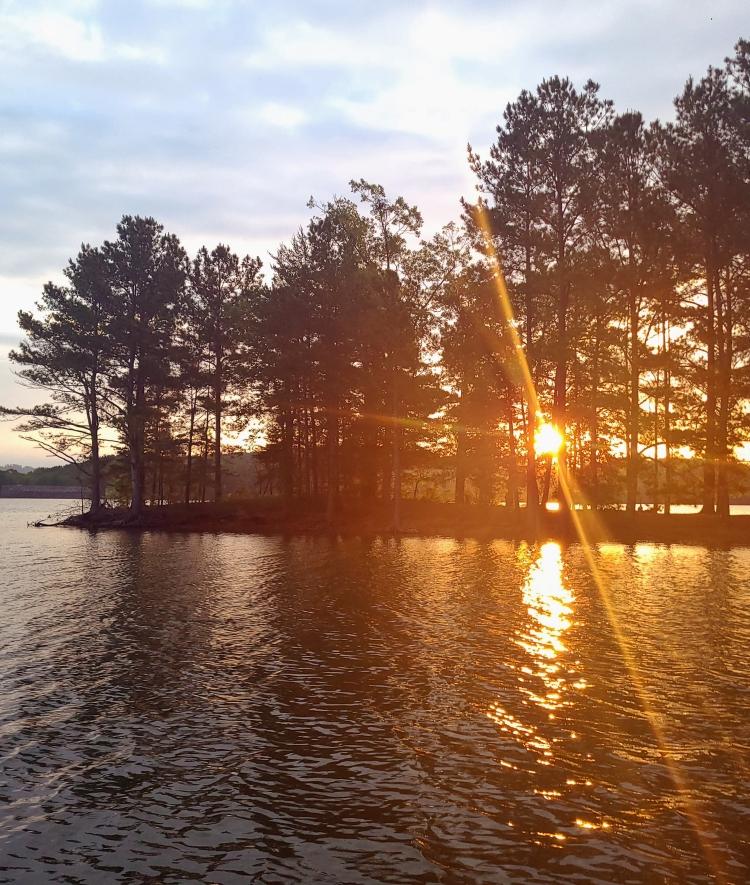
(548, 440)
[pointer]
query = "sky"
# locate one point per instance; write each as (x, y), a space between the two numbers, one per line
(222, 117)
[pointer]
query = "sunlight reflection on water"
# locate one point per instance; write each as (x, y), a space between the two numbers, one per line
(224, 707)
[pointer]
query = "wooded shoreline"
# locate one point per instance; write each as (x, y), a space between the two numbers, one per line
(420, 518)
(588, 318)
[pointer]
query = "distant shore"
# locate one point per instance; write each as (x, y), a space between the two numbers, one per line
(42, 491)
(424, 518)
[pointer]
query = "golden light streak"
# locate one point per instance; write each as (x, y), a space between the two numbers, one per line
(699, 826)
(506, 308)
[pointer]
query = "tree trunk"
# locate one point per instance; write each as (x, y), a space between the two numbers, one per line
(667, 422)
(387, 464)
(512, 459)
(709, 463)
(561, 369)
(287, 457)
(136, 478)
(96, 467)
(634, 407)
(308, 460)
(217, 431)
(595, 416)
(459, 495)
(191, 431)
(397, 431)
(532, 487)
(370, 447)
(298, 473)
(204, 461)
(546, 481)
(136, 444)
(96, 482)
(655, 503)
(161, 476)
(154, 470)
(333, 465)
(726, 320)
(561, 377)
(315, 453)
(96, 476)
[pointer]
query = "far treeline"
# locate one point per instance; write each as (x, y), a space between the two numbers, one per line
(371, 353)
(61, 475)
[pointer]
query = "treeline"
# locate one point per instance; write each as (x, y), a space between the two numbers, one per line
(60, 475)
(371, 351)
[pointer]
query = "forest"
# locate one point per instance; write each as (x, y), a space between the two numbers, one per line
(598, 280)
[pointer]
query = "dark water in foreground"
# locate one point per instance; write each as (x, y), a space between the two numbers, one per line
(237, 708)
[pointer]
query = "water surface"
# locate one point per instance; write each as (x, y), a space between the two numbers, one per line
(228, 708)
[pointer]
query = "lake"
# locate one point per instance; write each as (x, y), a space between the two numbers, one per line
(229, 708)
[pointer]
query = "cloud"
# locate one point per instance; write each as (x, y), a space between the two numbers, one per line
(196, 5)
(52, 30)
(221, 117)
(431, 71)
(71, 38)
(283, 115)
(302, 44)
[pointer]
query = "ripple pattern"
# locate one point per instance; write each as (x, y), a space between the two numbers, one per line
(225, 709)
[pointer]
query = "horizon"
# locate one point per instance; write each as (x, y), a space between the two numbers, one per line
(264, 109)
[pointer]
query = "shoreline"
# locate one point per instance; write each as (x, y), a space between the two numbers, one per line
(425, 519)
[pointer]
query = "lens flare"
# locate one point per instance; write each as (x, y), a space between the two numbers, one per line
(548, 440)
(700, 825)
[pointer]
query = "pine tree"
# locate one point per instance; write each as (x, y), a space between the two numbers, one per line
(146, 269)
(65, 353)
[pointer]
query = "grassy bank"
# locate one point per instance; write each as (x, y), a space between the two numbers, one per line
(270, 516)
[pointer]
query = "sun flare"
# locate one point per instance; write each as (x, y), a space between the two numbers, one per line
(548, 440)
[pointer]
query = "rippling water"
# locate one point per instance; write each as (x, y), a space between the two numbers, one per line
(226, 708)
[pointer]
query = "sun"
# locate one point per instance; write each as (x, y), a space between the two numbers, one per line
(548, 440)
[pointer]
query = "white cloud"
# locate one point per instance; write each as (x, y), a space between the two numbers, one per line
(403, 38)
(254, 107)
(283, 115)
(60, 33)
(300, 44)
(430, 71)
(199, 5)
(67, 35)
